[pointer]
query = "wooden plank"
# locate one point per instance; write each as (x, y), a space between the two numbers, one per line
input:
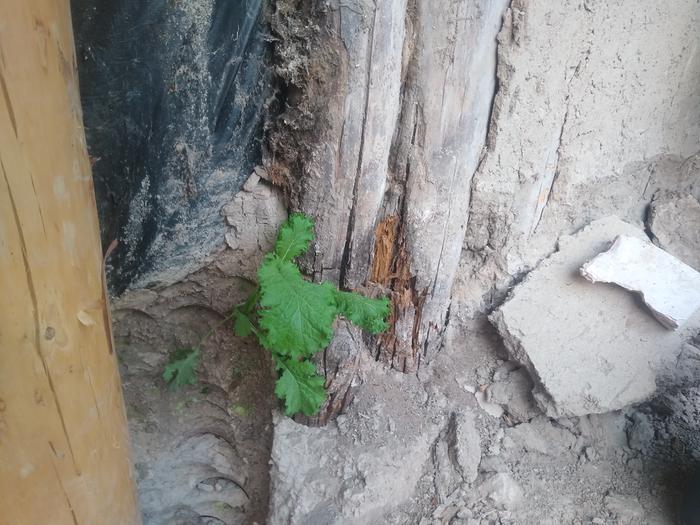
(64, 452)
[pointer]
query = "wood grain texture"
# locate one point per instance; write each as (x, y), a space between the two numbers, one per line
(401, 91)
(64, 453)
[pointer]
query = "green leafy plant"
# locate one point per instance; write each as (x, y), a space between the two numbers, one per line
(293, 319)
(182, 368)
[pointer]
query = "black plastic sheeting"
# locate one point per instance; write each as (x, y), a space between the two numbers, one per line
(174, 95)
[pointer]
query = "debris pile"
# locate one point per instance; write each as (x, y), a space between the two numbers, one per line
(542, 421)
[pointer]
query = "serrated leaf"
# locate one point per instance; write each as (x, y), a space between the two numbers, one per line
(369, 314)
(300, 386)
(296, 316)
(182, 368)
(294, 236)
(242, 326)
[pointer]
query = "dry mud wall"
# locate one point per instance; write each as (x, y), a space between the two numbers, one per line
(597, 109)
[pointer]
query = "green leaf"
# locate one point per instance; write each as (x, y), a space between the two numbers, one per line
(296, 316)
(300, 387)
(242, 326)
(294, 236)
(369, 314)
(182, 368)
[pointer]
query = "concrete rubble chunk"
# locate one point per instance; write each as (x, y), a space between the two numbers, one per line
(492, 409)
(589, 348)
(674, 221)
(626, 509)
(514, 394)
(669, 287)
(502, 490)
(468, 446)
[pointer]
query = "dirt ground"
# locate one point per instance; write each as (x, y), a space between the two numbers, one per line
(409, 449)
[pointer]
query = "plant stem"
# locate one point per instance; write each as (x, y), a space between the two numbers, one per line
(216, 327)
(247, 305)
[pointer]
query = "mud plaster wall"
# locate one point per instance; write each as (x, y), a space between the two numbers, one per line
(597, 108)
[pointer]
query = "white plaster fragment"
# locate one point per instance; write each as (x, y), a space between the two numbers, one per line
(669, 287)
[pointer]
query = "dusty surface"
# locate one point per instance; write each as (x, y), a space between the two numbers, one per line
(595, 111)
(619, 467)
(673, 223)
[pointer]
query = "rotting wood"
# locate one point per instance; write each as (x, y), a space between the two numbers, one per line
(384, 249)
(381, 135)
(64, 451)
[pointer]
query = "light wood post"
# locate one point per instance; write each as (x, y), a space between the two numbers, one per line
(64, 449)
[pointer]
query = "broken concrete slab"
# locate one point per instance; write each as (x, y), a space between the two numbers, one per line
(674, 221)
(589, 348)
(669, 287)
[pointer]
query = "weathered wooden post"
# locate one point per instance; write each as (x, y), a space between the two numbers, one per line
(64, 449)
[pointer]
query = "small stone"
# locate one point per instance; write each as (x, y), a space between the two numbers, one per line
(640, 433)
(514, 394)
(251, 183)
(625, 508)
(492, 464)
(261, 172)
(468, 444)
(504, 369)
(491, 409)
(590, 453)
(635, 464)
(542, 436)
(502, 490)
